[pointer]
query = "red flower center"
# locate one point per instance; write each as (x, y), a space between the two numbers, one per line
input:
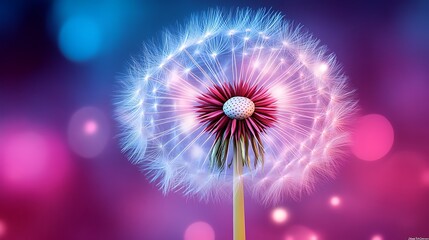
(238, 112)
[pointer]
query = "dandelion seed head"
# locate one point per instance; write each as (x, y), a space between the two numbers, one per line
(238, 108)
(239, 75)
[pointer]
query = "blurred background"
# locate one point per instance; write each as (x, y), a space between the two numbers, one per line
(63, 176)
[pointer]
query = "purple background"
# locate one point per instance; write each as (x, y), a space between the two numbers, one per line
(384, 49)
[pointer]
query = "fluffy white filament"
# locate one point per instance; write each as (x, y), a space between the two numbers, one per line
(156, 107)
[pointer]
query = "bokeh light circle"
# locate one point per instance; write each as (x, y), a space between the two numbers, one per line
(298, 232)
(25, 157)
(90, 127)
(80, 39)
(88, 132)
(32, 160)
(3, 229)
(335, 201)
(279, 215)
(377, 237)
(199, 231)
(373, 137)
(425, 177)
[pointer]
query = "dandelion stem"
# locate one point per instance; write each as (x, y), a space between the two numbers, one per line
(238, 193)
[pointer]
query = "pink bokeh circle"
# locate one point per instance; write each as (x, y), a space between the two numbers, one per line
(32, 160)
(298, 232)
(3, 229)
(377, 237)
(425, 177)
(335, 201)
(199, 231)
(279, 215)
(88, 132)
(373, 137)
(90, 127)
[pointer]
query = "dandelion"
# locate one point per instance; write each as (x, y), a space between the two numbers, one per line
(232, 100)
